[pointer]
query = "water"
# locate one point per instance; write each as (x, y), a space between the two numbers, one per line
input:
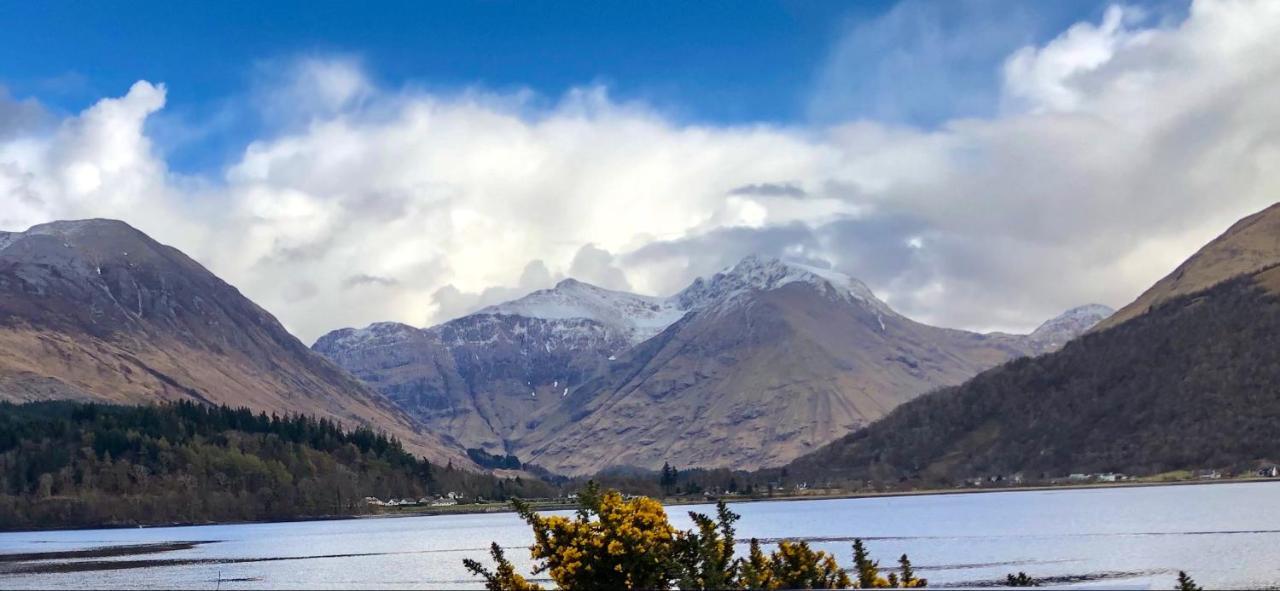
(1225, 535)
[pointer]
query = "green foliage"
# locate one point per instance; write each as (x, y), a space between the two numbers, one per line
(619, 543)
(868, 570)
(504, 577)
(669, 478)
(1186, 583)
(908, 579)
(1020, 580)
(795, 566)
(66, 464)
(755, 571)
(492, 461)
(704, 556)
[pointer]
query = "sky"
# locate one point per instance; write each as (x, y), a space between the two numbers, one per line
(979, 164)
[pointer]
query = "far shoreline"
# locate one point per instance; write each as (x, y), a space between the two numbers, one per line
(492, 508)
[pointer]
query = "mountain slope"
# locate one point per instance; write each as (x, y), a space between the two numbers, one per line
(783, 356)
(775, 360)
(1246, 247)
(96, 310)
(1189, 384)
(478, 378)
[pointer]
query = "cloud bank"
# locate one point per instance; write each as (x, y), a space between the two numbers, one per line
(1113, 151)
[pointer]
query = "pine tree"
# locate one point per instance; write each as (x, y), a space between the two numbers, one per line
(1020, 580)
(908, 578)
(668, 478)
(868, 570)
(1186, 583)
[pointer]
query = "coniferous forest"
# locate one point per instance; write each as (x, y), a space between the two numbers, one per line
(1188, 385)
(65, 464)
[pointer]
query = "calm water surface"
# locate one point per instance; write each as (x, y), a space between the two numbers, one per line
(1225, 535)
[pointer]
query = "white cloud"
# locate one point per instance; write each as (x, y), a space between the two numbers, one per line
(1121, 146)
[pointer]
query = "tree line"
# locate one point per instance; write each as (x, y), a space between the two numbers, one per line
(71, 464)
(1191, 384)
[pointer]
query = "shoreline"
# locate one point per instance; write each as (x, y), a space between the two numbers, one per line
(677, 502)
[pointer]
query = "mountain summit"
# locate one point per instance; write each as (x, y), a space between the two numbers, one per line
(749, 367)
(1248, 246)
(97, 310)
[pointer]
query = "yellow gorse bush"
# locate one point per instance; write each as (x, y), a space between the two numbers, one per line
(627, 546)
(619, 543)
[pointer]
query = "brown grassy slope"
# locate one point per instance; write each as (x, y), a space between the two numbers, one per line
(755, 384)
(96, 310)
(1247, 246)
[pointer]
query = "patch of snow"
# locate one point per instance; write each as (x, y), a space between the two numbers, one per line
(1070, 324)
(574, 314)
(7, 238)
(634, 317)
(755, 273)
(379, 333)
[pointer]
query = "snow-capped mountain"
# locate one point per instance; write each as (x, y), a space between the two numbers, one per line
(630, 316)
(755, 273)
(1055, 332)
(575, 378)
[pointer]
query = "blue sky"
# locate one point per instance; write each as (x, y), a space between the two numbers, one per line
(715, 62)
(981, 164)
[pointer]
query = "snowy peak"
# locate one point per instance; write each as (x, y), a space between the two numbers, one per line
(376, 334)
(66, 228)
(756, 273)
(1070, 324)
(639, 317)
(636, 317)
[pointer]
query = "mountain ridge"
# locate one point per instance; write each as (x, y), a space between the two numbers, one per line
(508, 377)
(1186, 381)
(97, 310)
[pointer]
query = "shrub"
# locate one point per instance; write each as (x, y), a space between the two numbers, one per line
(619, 543)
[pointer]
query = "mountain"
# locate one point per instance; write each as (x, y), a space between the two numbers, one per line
(1246, 247)
(773, 360)
(96, 310)
(1188, 381)
(750, 367)
(1190, 384)
(1055, 333)
(479, 378)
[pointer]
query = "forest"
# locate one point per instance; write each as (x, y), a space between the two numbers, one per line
(1189, 385)
(70, 464)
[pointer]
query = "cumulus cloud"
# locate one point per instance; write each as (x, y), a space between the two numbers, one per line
(1111, 152)
(596, 265)
(452, 302)
(18, 117)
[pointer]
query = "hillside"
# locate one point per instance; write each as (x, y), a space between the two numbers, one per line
(96, 310)
(779, 360)
(1189, 384)
(749, 367)
(1246, 247)
(68, 464)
